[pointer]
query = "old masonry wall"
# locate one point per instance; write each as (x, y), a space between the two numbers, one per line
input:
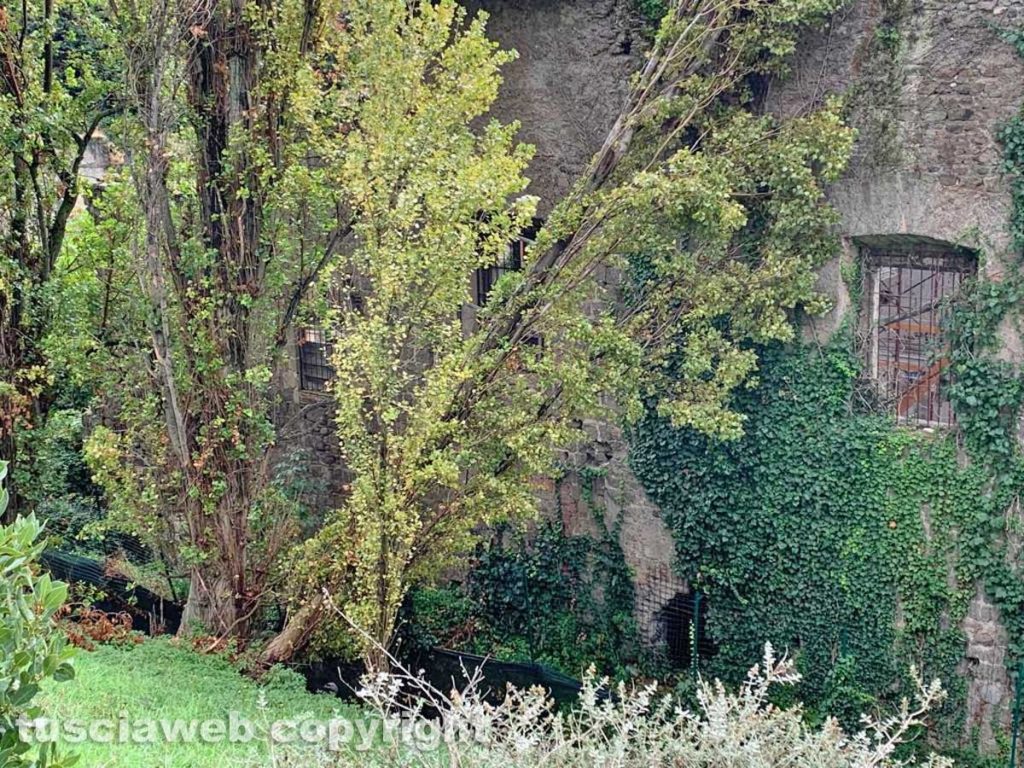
(927, 105)
(929, 83)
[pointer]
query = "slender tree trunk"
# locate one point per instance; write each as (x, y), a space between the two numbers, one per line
(295, 635)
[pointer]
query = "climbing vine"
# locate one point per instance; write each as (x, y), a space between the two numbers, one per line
(817, 529)
(832, 531)
(987, 393)
(565, 601)
(1011, 136)
(835, 533)
(651, 11)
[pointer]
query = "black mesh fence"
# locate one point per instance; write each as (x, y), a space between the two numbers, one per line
(151, 613)
(447, 670)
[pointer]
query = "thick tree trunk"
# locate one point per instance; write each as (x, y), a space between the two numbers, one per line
(222, 70)
(204, 342)
(296, 633)
(224, 591)
(217, 601)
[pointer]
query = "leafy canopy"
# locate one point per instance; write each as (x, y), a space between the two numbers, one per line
(445, 417)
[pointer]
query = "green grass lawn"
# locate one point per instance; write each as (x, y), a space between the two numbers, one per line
(157, 680)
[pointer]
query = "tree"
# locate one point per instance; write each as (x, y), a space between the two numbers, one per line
(268, 139)
(240, 217)
(56, 89)
(334, 159)
(712, 215)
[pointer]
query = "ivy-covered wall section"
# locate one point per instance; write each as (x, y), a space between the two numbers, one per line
(825, 531)
(861, 546)
(563, 601)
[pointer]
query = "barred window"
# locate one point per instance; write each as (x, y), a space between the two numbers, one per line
(315, 371)
(485, 278)
(911, 286)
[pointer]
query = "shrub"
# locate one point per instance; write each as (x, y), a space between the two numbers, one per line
(559, 600)
(32, 648)
(86, 626)
(635, 728)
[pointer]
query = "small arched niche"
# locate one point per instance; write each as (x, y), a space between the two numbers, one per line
(682, 623)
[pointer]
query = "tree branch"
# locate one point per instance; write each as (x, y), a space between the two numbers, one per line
(58, 227)
(306, 281)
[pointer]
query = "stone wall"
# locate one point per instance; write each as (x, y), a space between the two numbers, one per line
(566, 89)
(927, 164)
(569, 83)
(989, 690)
(953, 85)
(614, 492)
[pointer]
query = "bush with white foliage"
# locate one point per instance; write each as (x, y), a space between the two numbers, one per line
(634, 728)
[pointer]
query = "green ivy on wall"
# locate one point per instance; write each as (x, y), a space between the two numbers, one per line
(1011, 136)
(833, 532)
(987, 392)
(828, 532)
(651, 11)
(565, 601)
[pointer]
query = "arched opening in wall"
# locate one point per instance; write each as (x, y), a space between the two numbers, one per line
(682, 624)
(910, 283)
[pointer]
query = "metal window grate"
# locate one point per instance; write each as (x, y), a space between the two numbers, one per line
(315, 370)
(911, 293)
(485, 278)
